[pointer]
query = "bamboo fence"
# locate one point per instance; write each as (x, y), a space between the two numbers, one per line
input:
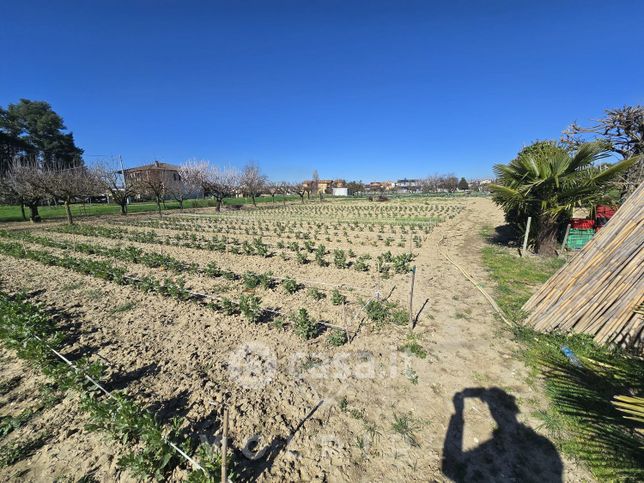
(601, 291)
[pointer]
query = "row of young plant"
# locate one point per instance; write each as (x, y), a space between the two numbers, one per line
(354, 212)
(136, 255)
(31, 333)
(283, 224)
(248, 305)
(386, 263)
(279, 231)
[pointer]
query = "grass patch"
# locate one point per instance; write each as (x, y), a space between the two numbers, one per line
(581, 417)
(126, 307)
(412, 347)
(405, 425)
(517, 278)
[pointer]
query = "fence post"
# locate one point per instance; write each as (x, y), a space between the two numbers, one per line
(224, 448)
(563, 244)
(411, 297)
(527, 233)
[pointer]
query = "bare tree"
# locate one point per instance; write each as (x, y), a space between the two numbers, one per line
(285, 188)
(622, 132)
(221, 183)
(273, 189)
(68, 185)
(252, 181)
(190, 181)
(112, 182)
(315, 183)
(301, 189)
(20, 185)
(153, 185)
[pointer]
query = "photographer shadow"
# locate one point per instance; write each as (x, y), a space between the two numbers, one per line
(514, 453)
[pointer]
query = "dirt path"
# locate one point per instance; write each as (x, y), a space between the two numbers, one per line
(366, 411)
(472, 351)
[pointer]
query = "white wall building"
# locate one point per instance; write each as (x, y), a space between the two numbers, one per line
(340, 191)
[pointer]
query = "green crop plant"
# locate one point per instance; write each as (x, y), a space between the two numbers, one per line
(382, 313)
(339, 259)
(338, 298)
(337, 337)
(303, 325)
(266, 280)
(401, 263)
(320, 253)
(361, 264)
(316, 294)
(227, 306)
(250, 307)
(8, 424)
(261, 248)
(251, 280)
(290, 285)
(213, 270)
(118, 415)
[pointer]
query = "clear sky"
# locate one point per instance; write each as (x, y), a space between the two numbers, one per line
(366, 90)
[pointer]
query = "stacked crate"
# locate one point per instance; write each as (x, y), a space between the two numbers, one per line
(602, 215)
(581, 232)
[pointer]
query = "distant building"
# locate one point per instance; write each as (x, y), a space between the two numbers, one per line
(167, 173)
(484, 185)
(380, 186)
(340, 191)
(323, 186)
(408, 185)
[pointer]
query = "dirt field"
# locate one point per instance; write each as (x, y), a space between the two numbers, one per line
(378, 408)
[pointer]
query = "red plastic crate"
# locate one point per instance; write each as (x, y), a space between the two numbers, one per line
(604, 211)
(582, 224)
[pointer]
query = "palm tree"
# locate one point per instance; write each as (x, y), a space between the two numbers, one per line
(546, 182)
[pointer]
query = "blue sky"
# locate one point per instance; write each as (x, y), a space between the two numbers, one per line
(355, 89)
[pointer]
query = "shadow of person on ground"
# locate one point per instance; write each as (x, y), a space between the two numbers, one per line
(515, 452)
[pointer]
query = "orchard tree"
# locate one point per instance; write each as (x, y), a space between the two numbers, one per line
(301, 189)
(111, 182)
(273, 189)
(152, 185)
(285, 188)
(221, 183)
(315, 184)
(67, 185)
(190, 181)
(253, 181)
(20, 185)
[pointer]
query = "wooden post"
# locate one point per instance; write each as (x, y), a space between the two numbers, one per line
(411, 297)
(224, 448)
(527, 233)
(563, 244)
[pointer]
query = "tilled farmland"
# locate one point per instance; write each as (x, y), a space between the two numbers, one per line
(295, 319)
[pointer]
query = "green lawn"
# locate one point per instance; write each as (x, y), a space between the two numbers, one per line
(12, 213)
(580, 418)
